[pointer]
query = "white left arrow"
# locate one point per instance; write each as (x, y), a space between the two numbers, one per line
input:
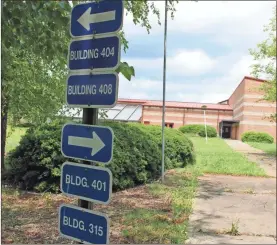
(95, 143)
(86, 18)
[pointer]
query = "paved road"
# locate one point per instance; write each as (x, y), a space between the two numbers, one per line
(222, 200)
(268, 163)
(249, 203)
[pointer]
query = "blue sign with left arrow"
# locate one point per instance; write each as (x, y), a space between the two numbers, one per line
(87, 142)
(104, 16)
(83, 225)
(97, 54)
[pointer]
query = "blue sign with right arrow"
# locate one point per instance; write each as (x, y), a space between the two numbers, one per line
(87, 142)
(102, 17)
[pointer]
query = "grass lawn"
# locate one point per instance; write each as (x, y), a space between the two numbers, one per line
(266, 147)
(13, 137)
(152, 213)
(167, 225)
(218, 158)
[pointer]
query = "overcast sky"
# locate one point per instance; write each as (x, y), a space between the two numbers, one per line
(207, 50)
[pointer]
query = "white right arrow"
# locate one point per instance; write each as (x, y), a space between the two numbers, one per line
(95, 143)
(86, 18)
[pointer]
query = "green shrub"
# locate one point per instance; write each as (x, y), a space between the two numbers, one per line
(191, 128)
(178, 149)
(199, 130)
(260, 137)
(211, 132)
(136, 157)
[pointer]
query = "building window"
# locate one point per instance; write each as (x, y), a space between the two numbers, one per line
(169, 125)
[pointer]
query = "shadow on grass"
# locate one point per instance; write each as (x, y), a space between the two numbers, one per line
(28, 218)
(10, 223)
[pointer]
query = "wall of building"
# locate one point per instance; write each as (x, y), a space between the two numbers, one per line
(184, 116)
(247, 108)
(213, 117)
(236, 101)
(256, 112)
(153, 115)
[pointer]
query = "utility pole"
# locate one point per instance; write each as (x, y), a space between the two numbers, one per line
(164, 89)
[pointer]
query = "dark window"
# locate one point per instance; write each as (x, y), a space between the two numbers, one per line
(169, 125)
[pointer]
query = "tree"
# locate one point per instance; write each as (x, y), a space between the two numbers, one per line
(265, 57)
(34, 46)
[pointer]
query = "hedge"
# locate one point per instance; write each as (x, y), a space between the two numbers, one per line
(178, 149)
(35, 163)
(259, 137)
(199, 130)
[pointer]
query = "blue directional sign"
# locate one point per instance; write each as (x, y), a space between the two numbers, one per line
(99, 54)
(92, 90)
(90, 183)
(83, 225)
(87, 142)
(96, 18)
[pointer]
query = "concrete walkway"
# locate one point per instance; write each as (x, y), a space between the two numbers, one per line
(268, 163)
(246, 203)
(236, 210)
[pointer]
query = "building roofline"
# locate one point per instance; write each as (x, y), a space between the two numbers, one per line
(145, 101)
(187, 107)
(174, 101)
(223, 101)
(249, 78)
(132, 100)
(254, 79)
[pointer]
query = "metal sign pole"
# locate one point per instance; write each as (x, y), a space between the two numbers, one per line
(90, 116)
(164, 87)
(205, 126)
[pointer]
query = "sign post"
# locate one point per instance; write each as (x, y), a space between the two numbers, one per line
(90, 183)
(90, 116)
(81, 224)
(92, 83)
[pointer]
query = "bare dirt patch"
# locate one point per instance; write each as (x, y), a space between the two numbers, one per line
(32, 218)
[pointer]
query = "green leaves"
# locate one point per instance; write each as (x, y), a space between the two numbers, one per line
(265, 57)
(126, 70)
(34, 45)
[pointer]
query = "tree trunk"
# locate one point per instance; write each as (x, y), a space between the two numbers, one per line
(4, 122)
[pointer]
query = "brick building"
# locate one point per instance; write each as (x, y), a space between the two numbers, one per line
(243, 111)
